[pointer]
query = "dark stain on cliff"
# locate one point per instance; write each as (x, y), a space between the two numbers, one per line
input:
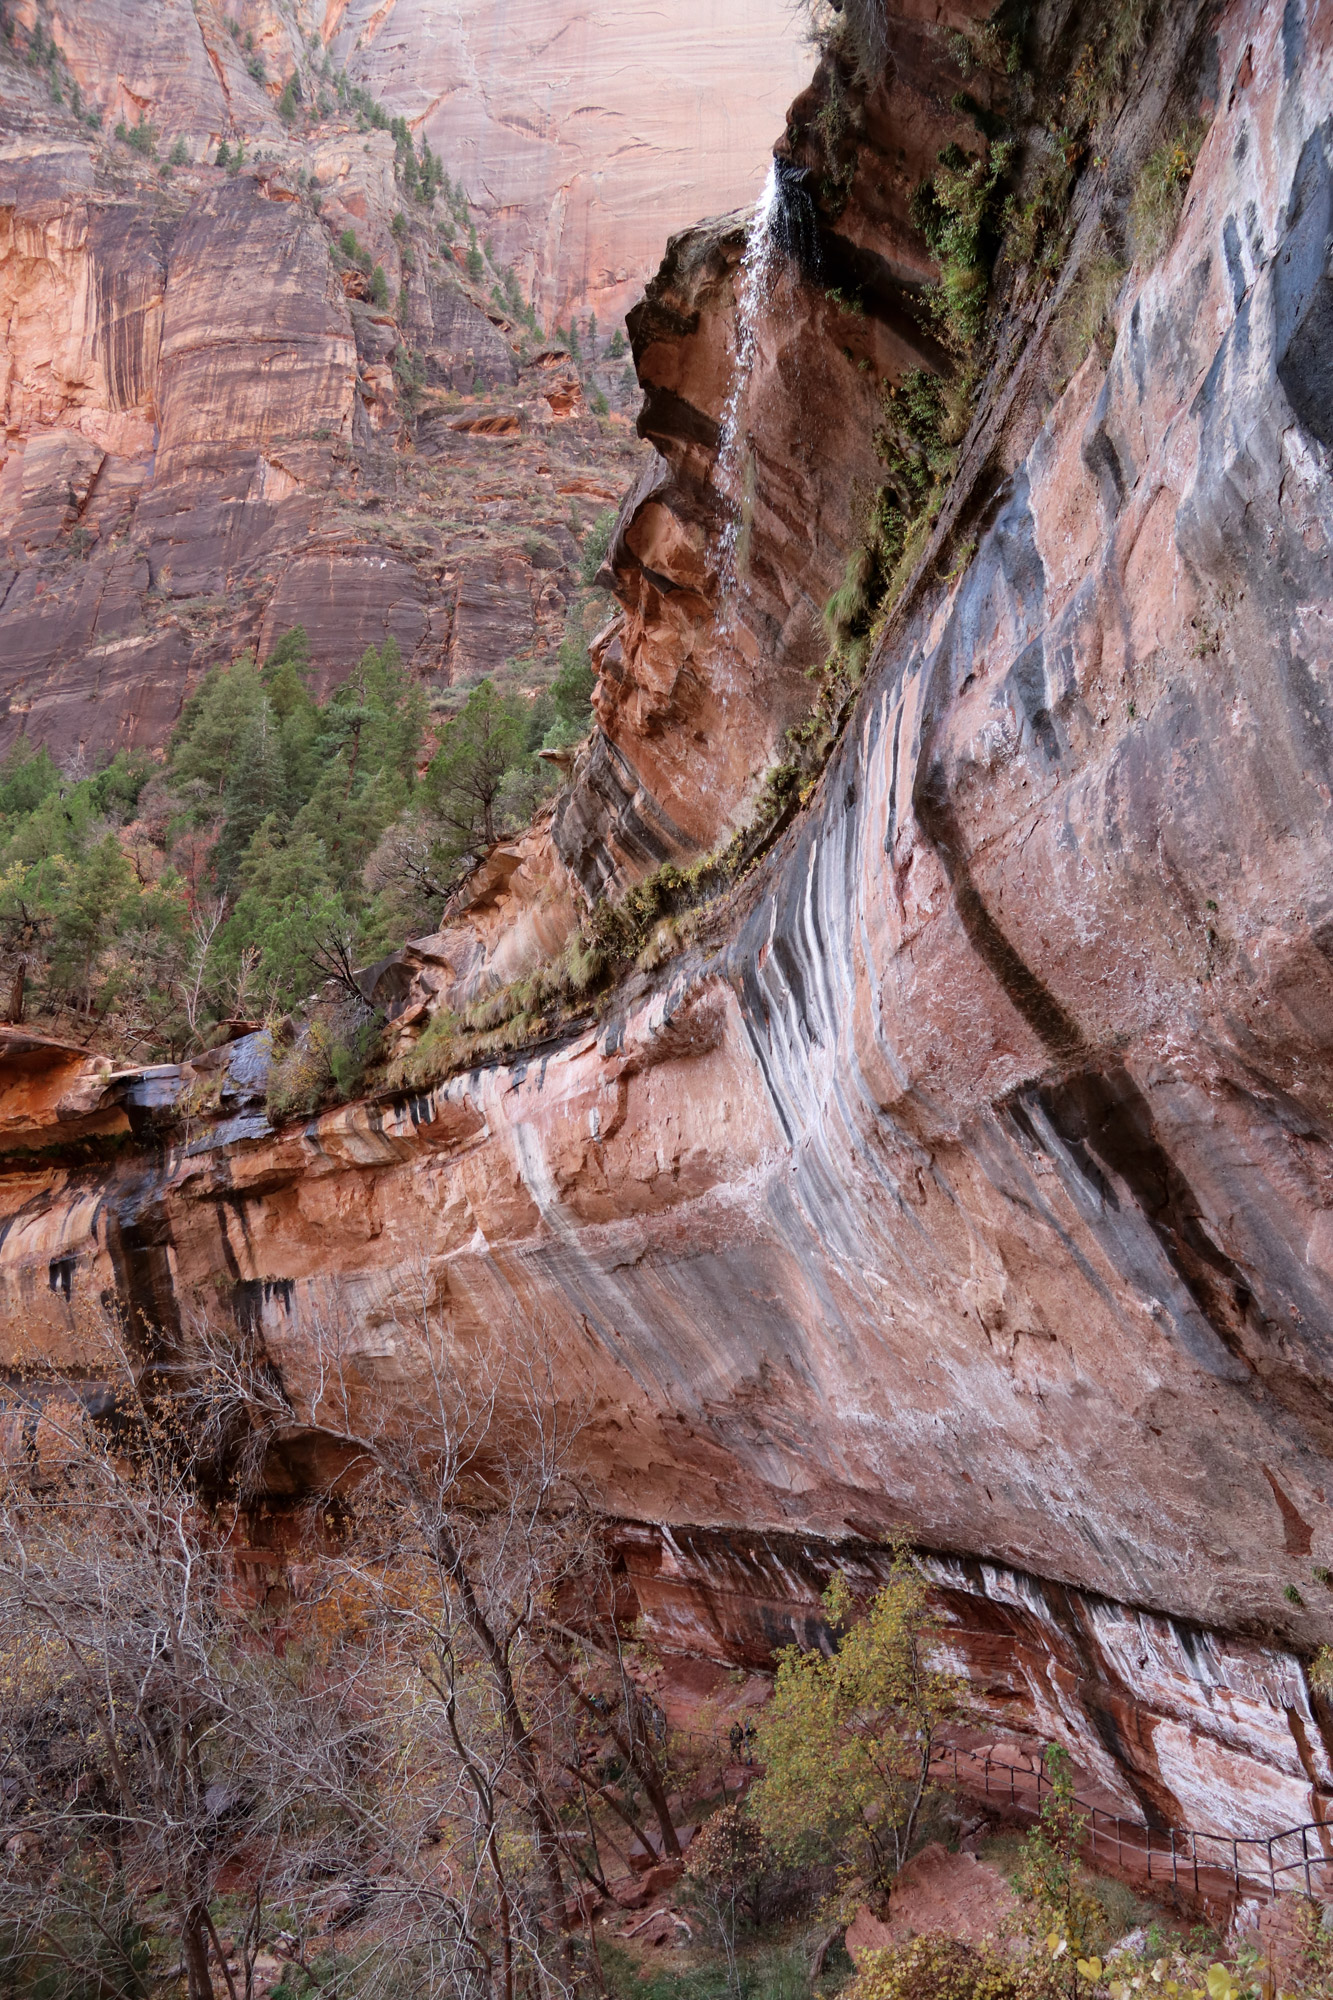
(1006, 570)
(138, 1242)
(1296, 1531)
(249, 1296)
(1028, 993)
(1105, 1127)
(129, 278)
(1303, 293)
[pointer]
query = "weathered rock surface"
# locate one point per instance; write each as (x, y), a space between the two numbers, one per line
(979, 1181)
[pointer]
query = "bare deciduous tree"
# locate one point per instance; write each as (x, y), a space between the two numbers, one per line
(128, 1773)
(466, 1526)
(407, 1765)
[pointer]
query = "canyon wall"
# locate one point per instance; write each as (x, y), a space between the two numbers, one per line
(212, 431)
(204, 436)
(971, 1173)
(586, 131)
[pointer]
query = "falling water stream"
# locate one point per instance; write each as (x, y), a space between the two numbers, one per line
(759, 266)
(781, 244)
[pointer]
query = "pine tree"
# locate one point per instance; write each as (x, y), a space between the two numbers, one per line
(88, 918)
(27, 776)
(467, 773)
(285, 911)
(284, 676)
(256, 787)
(213, 721)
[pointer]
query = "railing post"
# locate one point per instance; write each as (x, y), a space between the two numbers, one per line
(1174, 1879)
(1305, 1857)
(1194, 1853)
(1235, 1865)
(1272, 1878)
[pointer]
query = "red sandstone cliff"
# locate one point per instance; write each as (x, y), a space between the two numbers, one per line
(973, 1173)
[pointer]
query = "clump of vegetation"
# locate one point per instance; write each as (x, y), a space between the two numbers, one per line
(1102, 69)
(726, 1864)
(846, 1742)
(596, 542)
(1034, 213)
(1159, 193)
(936, 1966)
(348, 246)
(855, 30)
(422, 176)
(409, 371)
(1085, 317)
(923, 420)
(331, 1051)
(985, 45)
(141, 136)
(1050, 1875)
(958, 212)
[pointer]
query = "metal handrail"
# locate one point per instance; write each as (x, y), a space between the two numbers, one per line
(1180, 1847)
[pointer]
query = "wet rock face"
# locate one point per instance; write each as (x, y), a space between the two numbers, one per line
(980, 1181)
(1170, 1723)
(727, 553)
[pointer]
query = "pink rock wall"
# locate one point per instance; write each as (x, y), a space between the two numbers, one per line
(589, 131)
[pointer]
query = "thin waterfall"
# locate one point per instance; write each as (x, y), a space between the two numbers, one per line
(758, 267)
(782, 238)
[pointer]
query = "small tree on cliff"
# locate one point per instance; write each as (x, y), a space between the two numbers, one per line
(847, 1738)
(477, 749)
(1050, 1875)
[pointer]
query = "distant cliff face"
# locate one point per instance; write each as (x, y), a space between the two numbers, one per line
(588, 129)
(212, 430)
(585, 130)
